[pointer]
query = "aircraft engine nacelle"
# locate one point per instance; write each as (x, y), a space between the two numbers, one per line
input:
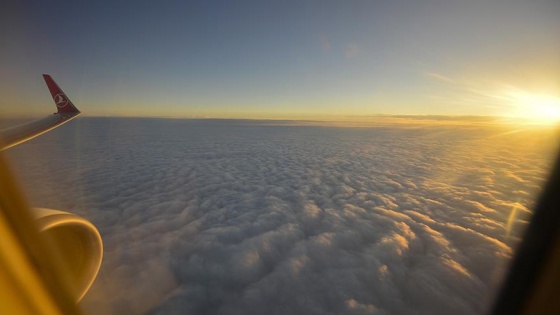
(79, 242)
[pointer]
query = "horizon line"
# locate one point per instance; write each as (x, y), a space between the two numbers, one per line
(346, 120)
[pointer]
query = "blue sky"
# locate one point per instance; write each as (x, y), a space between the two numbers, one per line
(289, 59)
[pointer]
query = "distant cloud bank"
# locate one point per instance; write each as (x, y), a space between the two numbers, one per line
(215, 217)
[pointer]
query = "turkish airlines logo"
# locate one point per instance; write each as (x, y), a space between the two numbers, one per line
(60, 100)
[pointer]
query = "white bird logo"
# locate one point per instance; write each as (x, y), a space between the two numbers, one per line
(60, 100)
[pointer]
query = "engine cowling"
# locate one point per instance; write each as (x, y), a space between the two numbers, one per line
(79, 243)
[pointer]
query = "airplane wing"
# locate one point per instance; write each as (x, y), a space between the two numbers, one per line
(66, 111)
(48, 258)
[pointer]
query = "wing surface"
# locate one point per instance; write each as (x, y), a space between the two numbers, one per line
(66, 111)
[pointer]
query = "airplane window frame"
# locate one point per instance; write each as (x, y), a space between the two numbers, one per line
(526, 289)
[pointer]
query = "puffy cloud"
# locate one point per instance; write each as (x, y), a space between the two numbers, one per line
(241, 217)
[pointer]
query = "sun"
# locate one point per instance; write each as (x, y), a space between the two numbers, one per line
(536, 108)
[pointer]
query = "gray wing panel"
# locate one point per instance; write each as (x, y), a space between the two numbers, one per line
(18, 134)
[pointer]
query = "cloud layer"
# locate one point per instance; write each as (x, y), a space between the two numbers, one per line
(225, 217)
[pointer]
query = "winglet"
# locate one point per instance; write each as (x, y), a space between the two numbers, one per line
(21, 133)
(63, 103)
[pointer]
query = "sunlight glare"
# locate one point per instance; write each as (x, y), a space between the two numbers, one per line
(543, 109)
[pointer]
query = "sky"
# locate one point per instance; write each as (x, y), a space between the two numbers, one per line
(241, 217)
(284, 60)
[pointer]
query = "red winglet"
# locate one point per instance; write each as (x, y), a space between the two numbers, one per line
(63, 103)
